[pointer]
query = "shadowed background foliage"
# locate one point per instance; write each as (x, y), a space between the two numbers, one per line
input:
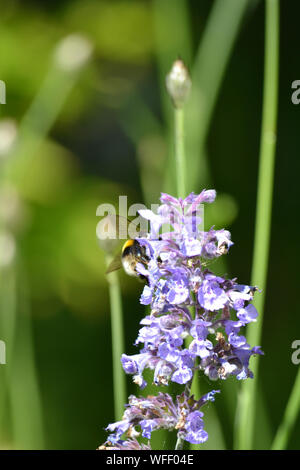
(98, 128)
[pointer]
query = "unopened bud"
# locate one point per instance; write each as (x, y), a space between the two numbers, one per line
(73, 52)
(178, 83)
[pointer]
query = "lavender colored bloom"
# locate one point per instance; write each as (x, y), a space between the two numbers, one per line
(178, 289)
(211, 296)
(168, 353)
(201, 348)
(182, 375)
(187, 301)
(178, 280)
(248, 314)
(146, 296)
(195, 433)
(229, 357)
(134, 364)
(199, 329)
(191, 247)
(145, 415)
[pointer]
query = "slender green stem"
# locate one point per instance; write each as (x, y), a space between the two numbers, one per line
(180, 153)
(195, 384)
(117, 332)
(23, 378)
(246, 408)
(8, 301)
(179, 444)
(289, 418)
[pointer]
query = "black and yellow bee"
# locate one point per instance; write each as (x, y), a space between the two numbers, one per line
(132, 252)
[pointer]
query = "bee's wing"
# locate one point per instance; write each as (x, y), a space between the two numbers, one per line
(115, 264)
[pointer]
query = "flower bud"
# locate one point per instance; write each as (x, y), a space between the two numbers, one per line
(178, 83)
(72, 52)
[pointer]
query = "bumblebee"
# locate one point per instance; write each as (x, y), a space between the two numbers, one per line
(132, 253)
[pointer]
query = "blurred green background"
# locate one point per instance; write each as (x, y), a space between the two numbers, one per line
(87, 119)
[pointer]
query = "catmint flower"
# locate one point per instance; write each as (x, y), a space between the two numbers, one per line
(145, 415)
(187, 301)
(178, 281)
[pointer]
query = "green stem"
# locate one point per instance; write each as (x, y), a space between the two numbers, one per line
(289, 418)
(179, 444)
(23, 378)
(246, 414)
(119, 383)
(8, 301)
(180, 153)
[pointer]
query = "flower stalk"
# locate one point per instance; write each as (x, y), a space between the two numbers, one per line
(290, 416)
(117, 341)
(180, 152)
(247, 409)
(174, 343)
(179, 85)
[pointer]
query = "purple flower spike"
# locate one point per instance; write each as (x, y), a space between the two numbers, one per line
(194, 325)
(149, 414)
